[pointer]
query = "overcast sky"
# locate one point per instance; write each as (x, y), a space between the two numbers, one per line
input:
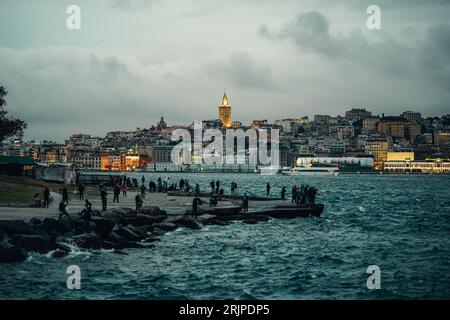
(135, 60)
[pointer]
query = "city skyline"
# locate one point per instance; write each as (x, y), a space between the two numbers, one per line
(161, 60)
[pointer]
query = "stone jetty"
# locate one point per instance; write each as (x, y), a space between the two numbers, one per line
(120, 228)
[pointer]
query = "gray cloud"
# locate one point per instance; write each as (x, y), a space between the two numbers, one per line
(241, 69)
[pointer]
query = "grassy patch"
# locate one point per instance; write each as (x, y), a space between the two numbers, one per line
(23, 189)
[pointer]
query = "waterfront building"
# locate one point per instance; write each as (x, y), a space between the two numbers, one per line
(225, 112)
(404, 164)
(378, 149)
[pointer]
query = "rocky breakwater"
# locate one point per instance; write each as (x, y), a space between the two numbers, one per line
(115, 229)
(122, 228)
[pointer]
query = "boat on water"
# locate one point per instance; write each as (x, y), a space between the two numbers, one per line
(312, 169)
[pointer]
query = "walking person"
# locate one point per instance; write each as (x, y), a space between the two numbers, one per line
(124, 191)
(142, 191)
(267, 189)
(46, 197)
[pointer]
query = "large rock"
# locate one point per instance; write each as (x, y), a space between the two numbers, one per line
(89, 241)
(165, 226)
(128, 234)
(118, 213)
(102, 226)
(187, 222)
(66, 222)
(36, 243)
(12, 227)
(140, 220)
(10, 253)
(51, 227)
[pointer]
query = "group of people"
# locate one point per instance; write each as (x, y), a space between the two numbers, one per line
(303, 194)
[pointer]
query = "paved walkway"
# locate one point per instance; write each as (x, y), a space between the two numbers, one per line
(171, 204)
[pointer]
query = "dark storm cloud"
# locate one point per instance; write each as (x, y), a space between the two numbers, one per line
(240, 69)
(428, 57)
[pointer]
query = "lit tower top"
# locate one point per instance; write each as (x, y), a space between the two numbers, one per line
(225, 112)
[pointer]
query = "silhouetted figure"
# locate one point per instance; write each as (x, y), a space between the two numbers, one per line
(217, 186)
(143, 179)
(195, 204)
(245, 203)
(116, 193)
(138, 201)
(63, 209)
(104, 197)
(159, 184)
(212, 185)
(283, 193)
(81, 191)
(267, 189)
(86, 213)
(65, 195)
(124, 191)
(197, 189)
(46, 197)
(142, 191)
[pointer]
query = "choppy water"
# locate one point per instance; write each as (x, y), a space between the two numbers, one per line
(400, 223)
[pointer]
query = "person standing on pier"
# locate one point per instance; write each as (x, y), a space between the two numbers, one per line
(116, 193)
(104, 197)
(217, 186)
(212, 186)
(124, 190)
(65, 195)
(195, 203)
(143, 179)
(46, 197)
(267, 189)
(245, 203)
(142, 191)
(197, 189)
(283, 193)
(294, 193)
(81, 191)
(232, 187)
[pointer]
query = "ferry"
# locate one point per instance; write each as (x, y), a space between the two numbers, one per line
(312, 169)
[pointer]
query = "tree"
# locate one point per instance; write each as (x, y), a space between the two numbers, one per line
(8, 126)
